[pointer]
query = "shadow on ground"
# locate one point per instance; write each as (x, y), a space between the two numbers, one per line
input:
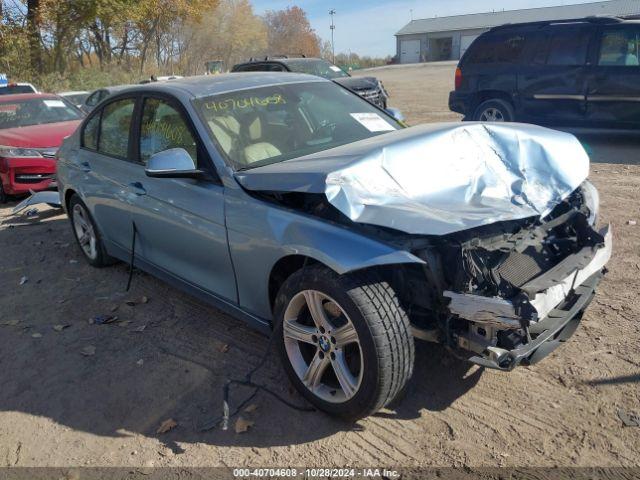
(167, 358)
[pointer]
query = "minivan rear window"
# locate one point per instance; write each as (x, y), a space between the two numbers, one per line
(496, 49)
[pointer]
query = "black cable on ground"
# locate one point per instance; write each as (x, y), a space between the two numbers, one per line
(247, 382)
(133, 254)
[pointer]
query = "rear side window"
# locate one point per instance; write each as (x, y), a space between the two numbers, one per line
(90, 133)
(115, 128)
(505, 48)
(568, 47)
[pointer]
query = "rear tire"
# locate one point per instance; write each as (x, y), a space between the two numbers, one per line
(87, 235)
(364, 355)
(3, 196)
(494, 110)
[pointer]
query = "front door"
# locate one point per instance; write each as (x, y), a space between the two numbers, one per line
(180, 221)
(552, 86)
(613, 97)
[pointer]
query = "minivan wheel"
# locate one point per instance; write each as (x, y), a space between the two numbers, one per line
(495, 110)
(86, 234)
(344, 340)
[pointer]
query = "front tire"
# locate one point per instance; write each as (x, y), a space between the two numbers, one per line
(86, 234)
(494, 110)
(345, 341)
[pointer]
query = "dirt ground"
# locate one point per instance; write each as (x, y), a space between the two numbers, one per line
(59, 407)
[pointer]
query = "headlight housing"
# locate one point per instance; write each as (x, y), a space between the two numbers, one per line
(591, 200)
(18, 152)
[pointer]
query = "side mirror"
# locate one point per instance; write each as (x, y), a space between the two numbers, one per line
(172, 163)
(396, 113)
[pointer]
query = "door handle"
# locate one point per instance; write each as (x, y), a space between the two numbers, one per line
(85, 166)
(137, 188)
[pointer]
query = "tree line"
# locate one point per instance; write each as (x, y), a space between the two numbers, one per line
(59, 44)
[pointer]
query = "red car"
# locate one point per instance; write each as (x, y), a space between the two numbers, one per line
(32, 127)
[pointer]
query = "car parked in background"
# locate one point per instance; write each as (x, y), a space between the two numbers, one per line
(575, 73)
(369, 88)
(14, 88)
(295, 205)
(32, 127)
(98, 95)
(77, 98)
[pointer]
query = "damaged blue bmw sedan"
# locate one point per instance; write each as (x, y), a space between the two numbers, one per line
(293, 204)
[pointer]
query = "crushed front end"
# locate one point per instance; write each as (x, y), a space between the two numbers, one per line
(513, 292)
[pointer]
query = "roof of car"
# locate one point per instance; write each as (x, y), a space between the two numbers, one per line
(205, 85)
(25, 96)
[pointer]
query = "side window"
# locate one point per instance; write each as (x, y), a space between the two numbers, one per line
(274, 67)
(90, 132)
(620, 48)
(115, 127)
(163, 127)
(568, 47)
(92, 101)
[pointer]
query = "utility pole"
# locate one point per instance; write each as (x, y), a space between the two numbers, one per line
(332, 12)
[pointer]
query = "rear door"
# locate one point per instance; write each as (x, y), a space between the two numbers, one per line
(180, 222)
(553, 85)
(104, 157)
(613, 97)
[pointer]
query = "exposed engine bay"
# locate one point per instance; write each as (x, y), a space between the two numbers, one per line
(499, 263)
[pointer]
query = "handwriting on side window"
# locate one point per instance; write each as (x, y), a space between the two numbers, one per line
(170, 133)
(245, 102)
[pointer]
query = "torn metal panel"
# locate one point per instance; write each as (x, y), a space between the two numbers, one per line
(500, 312)
(438, 179)
(48, 197)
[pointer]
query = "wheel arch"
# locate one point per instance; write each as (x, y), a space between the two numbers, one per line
(67, 198)
(484, 95)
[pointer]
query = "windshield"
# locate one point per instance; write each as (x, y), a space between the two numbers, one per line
(36, 111)
(256, 127)
(319, 68)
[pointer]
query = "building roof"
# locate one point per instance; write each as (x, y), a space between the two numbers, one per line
(493, 19)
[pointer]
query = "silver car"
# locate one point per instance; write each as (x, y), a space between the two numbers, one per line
(316, 217)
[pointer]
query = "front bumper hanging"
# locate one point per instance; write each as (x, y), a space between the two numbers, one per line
(557, 300)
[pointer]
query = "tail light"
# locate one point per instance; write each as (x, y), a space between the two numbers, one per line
(458, 81)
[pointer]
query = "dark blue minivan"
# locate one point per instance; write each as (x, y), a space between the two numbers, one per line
(576, 73)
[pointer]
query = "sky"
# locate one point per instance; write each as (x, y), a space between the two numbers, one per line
(367, 27)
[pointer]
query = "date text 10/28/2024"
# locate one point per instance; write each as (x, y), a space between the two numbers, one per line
(315, 473)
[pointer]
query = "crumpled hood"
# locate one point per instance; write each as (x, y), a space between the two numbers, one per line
(437, 179)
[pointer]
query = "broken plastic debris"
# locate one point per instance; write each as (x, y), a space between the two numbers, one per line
(104, 319)
(632, 222)
(224, 348)
(242, 425)
(167, 425)
(88, 350)
(59, 328)
(140, 362)
(139, 329)
(24, 280)
(10, 323)
(628, 418)
(251, 408)
(37, 335)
